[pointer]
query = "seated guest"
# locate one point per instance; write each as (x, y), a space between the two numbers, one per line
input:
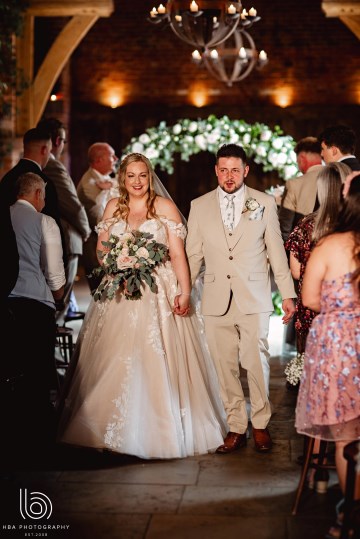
(31, 302)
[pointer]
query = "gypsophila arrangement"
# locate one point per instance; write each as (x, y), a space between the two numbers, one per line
(128, 263)
(293, 370)
(251, 204)
(269, 148)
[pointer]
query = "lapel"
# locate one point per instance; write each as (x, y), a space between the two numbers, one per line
(215, 223)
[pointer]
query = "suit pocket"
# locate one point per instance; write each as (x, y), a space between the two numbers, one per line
(258, 276)
(209, 278)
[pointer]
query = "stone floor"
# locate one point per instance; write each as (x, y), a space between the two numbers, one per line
(105, 496)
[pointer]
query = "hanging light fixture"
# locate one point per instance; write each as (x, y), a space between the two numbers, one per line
(204, 24)
(234, 59)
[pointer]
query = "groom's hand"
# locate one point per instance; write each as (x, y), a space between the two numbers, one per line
(288, 307)
(181, 305)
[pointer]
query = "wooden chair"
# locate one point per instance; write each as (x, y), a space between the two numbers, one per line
(65, 344)
(352, 455)
(319, 461)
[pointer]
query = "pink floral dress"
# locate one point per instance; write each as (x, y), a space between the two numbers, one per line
(328, 405)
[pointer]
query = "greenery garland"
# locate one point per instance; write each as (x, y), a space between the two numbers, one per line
(270, 148)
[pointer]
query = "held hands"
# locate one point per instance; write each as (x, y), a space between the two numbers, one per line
(181, 304)
(288, 307)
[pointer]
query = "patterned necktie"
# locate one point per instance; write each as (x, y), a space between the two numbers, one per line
(230, 212)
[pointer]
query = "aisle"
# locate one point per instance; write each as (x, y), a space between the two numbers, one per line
(245, 494)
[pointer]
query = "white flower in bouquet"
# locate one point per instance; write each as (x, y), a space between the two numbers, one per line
(294, 369)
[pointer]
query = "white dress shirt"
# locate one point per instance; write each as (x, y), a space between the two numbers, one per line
(238, 201)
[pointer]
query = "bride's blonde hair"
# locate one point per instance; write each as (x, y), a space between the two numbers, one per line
(122, 209)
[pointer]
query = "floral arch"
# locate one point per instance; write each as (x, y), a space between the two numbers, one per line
(272, 149)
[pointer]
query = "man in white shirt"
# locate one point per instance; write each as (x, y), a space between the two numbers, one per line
(95, 188)
(39, 285)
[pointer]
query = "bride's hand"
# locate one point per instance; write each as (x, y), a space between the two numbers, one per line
(181, 304)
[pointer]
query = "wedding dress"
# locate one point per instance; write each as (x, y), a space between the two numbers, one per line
(141, 380)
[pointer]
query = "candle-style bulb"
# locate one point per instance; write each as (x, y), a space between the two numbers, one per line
(194, 7)
(196, 55)
(242, 53)
(262, 56)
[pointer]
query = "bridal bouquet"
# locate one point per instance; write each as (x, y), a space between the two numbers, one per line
(294, 369)
(127, 263)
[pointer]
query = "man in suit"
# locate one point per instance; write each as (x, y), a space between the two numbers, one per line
(235, 231)
(299, 198)
(338, 144)
(37, 148)
(93, 184)
(73, 216)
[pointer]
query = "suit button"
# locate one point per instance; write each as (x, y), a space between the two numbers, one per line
(231, 257)
(230, 233)
(228, 276)
(229, 248)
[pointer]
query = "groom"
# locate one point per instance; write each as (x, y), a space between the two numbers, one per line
(235, 231)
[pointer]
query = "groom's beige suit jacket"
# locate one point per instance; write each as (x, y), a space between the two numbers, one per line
(237, 261)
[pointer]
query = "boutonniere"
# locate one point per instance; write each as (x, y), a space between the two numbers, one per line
(253, 206)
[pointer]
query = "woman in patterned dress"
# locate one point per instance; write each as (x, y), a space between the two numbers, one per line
(308, 232)
(328, 405)
(142, 381)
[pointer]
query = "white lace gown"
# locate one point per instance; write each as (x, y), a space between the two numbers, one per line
(141, 381)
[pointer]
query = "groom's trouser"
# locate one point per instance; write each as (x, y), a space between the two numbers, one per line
(236, 339)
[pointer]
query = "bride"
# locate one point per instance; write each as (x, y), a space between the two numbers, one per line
(141, 381)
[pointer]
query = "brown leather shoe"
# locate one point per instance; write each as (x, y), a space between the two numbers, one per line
(262, 439)
(232, 442)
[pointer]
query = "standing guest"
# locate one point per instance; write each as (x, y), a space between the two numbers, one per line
(141, 381)
(308, 232)
(37, 148)
(74, 219)
(338, 143)
(235, 231)
(328, 405)
(39, 284)
(299, 197)
(95, 188)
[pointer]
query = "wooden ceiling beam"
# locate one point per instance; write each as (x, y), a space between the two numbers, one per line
(84, 14)
(70, 8)
(347, 11)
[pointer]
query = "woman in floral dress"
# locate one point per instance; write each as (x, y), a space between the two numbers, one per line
(306, 234)
(328, 405)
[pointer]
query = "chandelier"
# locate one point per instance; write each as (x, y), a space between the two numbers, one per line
(232, 60)
(204, 24)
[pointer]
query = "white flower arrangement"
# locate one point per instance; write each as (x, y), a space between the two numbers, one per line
(294, 369)
(272, 149)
